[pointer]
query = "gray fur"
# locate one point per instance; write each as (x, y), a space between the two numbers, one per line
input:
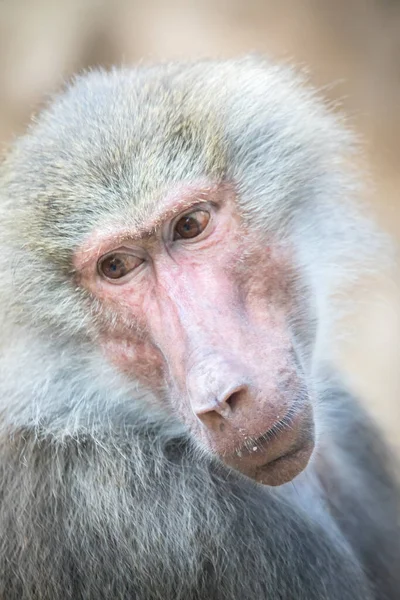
(102, 494)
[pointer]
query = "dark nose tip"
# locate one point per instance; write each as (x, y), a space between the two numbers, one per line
(212, 409)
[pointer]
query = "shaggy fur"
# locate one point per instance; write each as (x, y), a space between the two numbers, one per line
(103, 495)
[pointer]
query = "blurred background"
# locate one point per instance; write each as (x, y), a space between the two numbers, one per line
(351, 49)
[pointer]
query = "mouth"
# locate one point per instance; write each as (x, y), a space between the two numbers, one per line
(280, 454)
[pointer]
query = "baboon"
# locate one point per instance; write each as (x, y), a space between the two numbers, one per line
(172, 426)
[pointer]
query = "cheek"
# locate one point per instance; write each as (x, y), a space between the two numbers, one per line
(137, 359)
(266, 281)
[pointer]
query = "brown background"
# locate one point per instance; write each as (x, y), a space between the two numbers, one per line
(352, 50)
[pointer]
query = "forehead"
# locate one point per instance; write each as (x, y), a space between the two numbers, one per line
(128, 134)
(113, 144)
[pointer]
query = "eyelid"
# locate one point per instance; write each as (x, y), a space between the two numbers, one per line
(135, 252)
(125, 250)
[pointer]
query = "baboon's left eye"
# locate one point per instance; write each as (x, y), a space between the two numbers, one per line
(191, 225)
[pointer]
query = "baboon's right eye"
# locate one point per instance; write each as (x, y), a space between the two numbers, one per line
(117, 265)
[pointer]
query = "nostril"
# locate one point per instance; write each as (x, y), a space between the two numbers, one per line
(233, 400)
(211, 409)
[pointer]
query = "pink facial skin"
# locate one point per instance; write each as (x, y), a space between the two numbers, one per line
(203, 322)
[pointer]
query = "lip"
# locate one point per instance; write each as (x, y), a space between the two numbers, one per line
(280, 454)
(267, 439)
(286, 467)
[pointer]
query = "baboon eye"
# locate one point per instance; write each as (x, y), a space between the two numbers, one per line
(191, 225)
(117, 265)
